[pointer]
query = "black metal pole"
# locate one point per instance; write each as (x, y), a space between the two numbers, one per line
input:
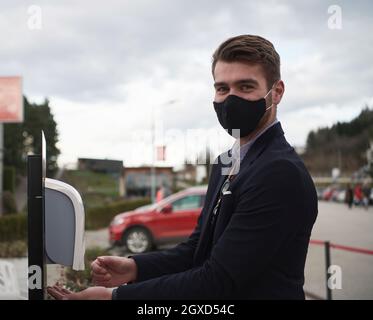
(35, 207)
(327, 265)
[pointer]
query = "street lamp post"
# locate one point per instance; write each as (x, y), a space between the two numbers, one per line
(152, 169)
(153, 181)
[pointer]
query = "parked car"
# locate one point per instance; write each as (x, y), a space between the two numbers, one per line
(328, 193)
(171, 220)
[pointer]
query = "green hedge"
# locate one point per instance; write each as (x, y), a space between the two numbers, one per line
(100, 217)
(9, 179)
(13, 227)
(13, 249)
(9, 203)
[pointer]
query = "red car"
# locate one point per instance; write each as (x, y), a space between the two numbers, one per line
(171, 220)
(329, 193)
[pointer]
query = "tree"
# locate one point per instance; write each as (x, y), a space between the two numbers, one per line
(20, 139)
(343, 142)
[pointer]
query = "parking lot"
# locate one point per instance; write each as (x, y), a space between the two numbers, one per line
(349, 227)
(335, 223)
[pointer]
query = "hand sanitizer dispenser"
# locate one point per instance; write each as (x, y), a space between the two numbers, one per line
(64, 225)
(55, 224)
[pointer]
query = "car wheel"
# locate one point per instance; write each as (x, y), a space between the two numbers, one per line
(138, 240)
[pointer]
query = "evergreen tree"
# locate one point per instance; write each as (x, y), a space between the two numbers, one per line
(21, 139)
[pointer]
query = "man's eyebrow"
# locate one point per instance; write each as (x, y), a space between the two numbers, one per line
(238, 82)
(219, 84)
(247, 81)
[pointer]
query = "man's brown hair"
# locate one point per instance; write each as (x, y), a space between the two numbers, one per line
(253, 50)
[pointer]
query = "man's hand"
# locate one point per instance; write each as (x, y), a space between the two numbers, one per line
(93, 293)
(109, 272)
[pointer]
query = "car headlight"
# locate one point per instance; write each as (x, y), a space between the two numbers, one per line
(117, 221)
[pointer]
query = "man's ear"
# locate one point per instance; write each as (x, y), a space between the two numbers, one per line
(277, 92)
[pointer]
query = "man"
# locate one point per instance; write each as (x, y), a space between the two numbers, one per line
(252, 236)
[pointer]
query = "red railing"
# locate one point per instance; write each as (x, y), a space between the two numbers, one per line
(340, 247)
(327, 245)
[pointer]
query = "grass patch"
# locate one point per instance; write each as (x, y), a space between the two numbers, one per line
(15, 249)
(80, 280)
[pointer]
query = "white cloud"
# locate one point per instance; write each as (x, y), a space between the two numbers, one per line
(104, 66)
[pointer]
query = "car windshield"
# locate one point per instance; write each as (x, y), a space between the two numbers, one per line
(159, 204)
(147, 207)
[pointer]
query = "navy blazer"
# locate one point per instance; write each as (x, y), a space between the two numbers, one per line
(258, 247)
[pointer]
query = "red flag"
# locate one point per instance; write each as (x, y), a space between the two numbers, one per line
(11, 101)
(161, 153)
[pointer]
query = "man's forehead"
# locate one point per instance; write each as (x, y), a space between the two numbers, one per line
(231, 72)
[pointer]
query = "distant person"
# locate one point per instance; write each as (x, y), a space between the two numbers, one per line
(349, 197)
(358, 195)
(160, 194)
(366, 196)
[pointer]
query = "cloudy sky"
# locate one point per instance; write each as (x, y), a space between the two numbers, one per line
(110, 67)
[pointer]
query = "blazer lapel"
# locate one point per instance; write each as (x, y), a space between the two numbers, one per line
(202, 243)
(257, 149)
(214, 198)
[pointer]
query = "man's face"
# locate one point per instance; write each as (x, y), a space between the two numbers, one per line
(241, 79)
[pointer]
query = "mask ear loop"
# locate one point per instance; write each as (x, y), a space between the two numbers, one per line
(266, 97)
(268, 94)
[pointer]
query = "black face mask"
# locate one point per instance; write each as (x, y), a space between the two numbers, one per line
(238, 113)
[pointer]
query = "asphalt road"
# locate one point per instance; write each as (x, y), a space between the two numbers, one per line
(335, 223)
(349, 227)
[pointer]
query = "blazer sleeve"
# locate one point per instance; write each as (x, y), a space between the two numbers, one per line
(154, 264)
(268, 214)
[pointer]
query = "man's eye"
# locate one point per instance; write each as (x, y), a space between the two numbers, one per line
(246, 87)
(221, 89)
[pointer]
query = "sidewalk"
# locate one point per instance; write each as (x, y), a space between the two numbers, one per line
(339, 225)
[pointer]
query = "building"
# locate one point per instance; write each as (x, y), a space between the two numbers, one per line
(107, 166)
(192, 173)
(137, 180)
(101, 165)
